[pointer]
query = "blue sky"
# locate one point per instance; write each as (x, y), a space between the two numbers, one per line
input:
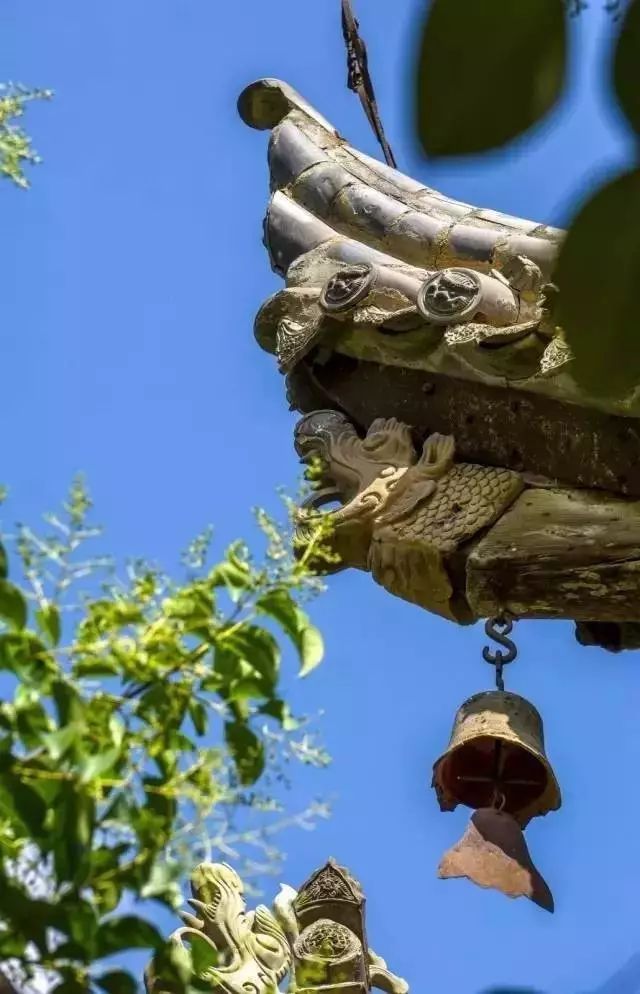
(131, 274)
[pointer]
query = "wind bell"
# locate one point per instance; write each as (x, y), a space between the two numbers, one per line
(496, 763)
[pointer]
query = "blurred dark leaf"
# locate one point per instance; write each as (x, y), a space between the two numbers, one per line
(13, 607)
(598, 274)
(247, 751)
(625, 65)
(173, 966)
(127, 932)
(487, 71)
(162, 883)
(510, 990)
(117, 982)
(72, 833)
(70, 985)
(20, 801)
(198, 715)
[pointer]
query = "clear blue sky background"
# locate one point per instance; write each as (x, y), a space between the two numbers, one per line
(130, 278)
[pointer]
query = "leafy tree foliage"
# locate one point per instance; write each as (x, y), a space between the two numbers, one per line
(133, 715)
(489, 71)
(16, 149)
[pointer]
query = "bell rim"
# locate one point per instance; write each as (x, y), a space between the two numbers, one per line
(551, 797)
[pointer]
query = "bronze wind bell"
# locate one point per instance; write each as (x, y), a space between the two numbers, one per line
(496, 764)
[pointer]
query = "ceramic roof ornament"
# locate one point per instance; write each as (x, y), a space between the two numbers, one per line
(408, 319)
(315, 937)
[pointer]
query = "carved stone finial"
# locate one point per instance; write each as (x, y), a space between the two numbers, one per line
(316, 935)
(331, 949)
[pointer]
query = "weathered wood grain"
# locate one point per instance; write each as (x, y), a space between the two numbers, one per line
(496, 426)
(560, 554)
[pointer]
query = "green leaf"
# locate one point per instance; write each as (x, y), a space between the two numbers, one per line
(72, 833)
(259, 649)
(28, 658)
(247, 751)
(280, 605)
(13, 607)
(625, 65)
(69, 704)
(598, 274)
(32, 721)
(127, 932)
(487, 71)
(198, 715)
(82, 921)
(281, 711)
(96, 766)
(48, 621)
(59, 742)
(72, 985)
(107, 894)
(98, 666)
(203, 955)
(20, 802)
(173, 967)
(4, 563)
(234, 574)
(162, 883)
(250, 653)
(117, 982)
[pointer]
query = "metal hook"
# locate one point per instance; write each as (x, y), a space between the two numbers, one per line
(499, 800)
(496, 657)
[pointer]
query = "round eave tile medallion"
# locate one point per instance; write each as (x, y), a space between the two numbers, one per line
(450, 296)
(346, 288)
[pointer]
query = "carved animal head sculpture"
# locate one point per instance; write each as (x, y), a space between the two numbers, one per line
(405, 514)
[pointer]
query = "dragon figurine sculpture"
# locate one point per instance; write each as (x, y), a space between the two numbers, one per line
(248, 952)
(418, 339)
(315, 935)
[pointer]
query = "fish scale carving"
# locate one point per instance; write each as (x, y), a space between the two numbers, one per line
(466, 500)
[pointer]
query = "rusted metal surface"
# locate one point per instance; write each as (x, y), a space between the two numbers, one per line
(493, 853)
(497, 748)
(359, 77)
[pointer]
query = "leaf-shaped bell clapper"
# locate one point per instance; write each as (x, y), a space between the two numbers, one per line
(496, 763)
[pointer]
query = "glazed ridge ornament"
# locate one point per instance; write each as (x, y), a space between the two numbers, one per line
(496, 763)
(315, 935)
(406, 318)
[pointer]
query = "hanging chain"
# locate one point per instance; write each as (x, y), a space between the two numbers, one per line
(498, 629)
